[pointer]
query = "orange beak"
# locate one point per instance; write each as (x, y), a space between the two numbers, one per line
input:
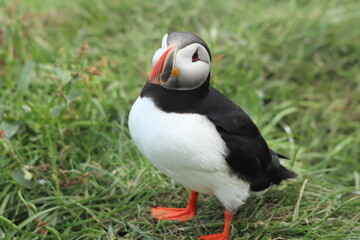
(164, 68)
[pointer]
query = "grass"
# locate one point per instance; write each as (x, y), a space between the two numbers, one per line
(70, 71)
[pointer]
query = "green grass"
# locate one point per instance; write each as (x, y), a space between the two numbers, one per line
(292, 65)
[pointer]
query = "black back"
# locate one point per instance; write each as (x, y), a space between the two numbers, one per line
(249, 155)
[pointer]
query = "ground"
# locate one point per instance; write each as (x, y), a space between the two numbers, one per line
(70, 71)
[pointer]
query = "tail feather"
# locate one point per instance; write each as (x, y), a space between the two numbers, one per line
(282, 156)
(272, 176)
(279, 155)
(281, 173)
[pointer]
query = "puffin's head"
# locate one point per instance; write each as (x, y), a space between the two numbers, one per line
(182, 62)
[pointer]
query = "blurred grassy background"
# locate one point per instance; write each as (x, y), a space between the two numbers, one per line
(70, 71)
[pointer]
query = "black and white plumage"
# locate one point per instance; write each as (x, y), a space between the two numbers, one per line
(196, 135)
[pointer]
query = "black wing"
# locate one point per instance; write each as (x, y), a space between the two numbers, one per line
(249, 156)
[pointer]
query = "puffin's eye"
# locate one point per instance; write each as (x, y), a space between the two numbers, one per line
(195, 56)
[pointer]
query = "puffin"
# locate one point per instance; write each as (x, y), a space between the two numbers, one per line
(197, 136)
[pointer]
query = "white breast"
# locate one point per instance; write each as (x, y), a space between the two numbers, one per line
(187, 148)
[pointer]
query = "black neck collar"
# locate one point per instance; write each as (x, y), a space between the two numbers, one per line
(175, 100)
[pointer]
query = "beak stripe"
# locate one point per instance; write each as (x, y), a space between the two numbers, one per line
(155, 76)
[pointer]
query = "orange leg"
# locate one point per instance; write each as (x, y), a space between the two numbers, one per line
(225, 234)
(177, 214)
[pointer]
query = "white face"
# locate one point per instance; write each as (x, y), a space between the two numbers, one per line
(160, 51)
(192, 63)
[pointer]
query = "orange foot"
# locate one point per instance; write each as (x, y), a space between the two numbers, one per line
(225, 234)
(177, 214)
(218, 236)
(173, 214)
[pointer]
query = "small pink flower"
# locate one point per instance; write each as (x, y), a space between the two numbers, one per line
(2, 134)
